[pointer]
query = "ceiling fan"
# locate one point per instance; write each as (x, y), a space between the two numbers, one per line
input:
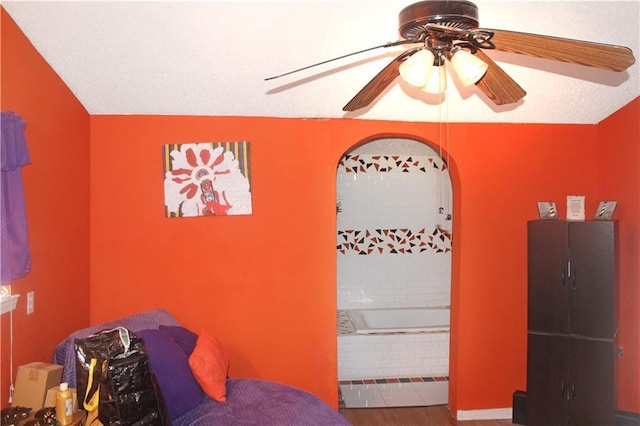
(448, 30)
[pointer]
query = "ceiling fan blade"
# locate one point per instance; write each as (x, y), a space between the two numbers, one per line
(597, 55)
(390, 44)
(380, 82)
(497, 84)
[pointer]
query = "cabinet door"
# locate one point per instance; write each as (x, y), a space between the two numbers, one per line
(592, 282)
(591, 397)
(548, 290)
(547, 380)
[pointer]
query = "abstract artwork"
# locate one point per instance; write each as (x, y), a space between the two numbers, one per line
(207, 179)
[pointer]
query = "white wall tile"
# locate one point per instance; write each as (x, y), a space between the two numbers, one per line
(385, 201)
(409, 355)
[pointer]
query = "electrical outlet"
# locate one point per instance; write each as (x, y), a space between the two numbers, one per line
(30, 303)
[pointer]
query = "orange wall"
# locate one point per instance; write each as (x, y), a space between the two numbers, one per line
(619, 179)
(266, 283)
(57, 199)
(503, 171)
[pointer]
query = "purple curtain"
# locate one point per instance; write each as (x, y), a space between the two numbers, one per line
(14, 253)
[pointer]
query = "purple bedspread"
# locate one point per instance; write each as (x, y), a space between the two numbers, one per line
(260, 402)
(249, 401)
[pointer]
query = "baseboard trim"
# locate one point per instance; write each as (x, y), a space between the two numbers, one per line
(488, 414)
(622, 418)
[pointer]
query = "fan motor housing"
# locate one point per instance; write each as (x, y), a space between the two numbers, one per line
(460, 14)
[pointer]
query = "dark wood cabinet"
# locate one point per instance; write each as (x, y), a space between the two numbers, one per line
(571, 323)
(569, 381)
(548, 257)
(547, 368)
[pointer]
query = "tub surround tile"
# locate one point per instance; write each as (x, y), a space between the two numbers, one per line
(393, 355)
(394, 237)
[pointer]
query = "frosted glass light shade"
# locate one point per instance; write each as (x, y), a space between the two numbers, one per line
(467, 67)
(416, 69)
(437, 81)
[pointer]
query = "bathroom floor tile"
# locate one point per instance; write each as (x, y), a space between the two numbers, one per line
(360, 396)
(433, 393)
(394, 393)
(400, 395)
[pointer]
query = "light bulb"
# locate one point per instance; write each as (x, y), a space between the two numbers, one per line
(416, 69)
(437, 82)
(467, 67)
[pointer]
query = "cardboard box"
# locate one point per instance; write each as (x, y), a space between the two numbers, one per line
(32, 383)
(50, 400)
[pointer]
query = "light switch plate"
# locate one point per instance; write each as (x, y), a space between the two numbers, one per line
(30, 303)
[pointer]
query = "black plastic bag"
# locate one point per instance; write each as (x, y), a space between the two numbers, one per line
(115, 384)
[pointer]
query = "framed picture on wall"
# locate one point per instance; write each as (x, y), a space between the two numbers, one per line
(547, 210)
(207, 179)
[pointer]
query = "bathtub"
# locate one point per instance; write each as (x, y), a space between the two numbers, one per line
(395, 320)
(393, 343)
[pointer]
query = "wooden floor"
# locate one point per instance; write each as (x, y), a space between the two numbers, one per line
(438, 415)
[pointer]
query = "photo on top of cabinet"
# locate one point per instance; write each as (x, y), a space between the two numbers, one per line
(547, 210)
(605, 210)
(575, 207)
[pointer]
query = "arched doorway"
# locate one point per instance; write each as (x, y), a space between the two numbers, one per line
(394, 220)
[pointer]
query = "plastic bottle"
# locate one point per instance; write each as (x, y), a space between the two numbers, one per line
(64, 405)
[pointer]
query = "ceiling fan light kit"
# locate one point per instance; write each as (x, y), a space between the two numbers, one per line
(448, 30)
(426, 69)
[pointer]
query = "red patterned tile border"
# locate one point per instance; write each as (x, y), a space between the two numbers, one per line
(390, 163)
(393, 241)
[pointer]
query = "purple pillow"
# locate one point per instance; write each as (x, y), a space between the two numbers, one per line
(170, 365)
(185, 338)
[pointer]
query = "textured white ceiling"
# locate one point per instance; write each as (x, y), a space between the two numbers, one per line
(211, 58)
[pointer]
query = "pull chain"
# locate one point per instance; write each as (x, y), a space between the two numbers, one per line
(11, 386)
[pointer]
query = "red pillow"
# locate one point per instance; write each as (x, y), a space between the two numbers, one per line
(209, 364)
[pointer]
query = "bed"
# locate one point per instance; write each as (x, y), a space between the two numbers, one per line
(248, 401)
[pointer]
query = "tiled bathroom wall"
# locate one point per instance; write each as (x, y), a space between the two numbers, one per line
(394, 229)
(393, 355)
